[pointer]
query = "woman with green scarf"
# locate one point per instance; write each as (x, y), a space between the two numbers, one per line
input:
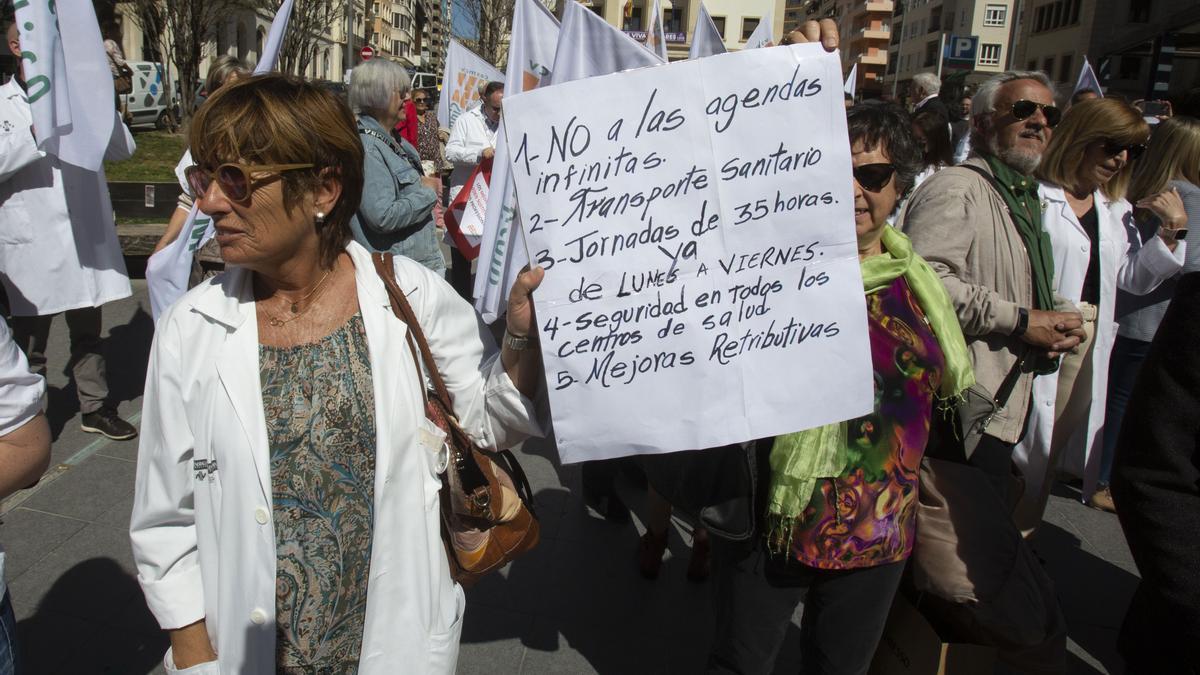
(841, 500)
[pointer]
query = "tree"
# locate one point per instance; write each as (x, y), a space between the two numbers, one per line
(311, 19)
(185, 28)
(490, 22)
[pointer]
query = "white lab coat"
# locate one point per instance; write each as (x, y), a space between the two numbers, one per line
(205, 545)
(58, 243)
(1125, 263)
(468, 139)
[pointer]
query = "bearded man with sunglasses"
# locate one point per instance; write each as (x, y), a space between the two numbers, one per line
(979, 226)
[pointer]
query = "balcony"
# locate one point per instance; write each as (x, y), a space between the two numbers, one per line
(871, 34)
(879, 58)
(880, 6)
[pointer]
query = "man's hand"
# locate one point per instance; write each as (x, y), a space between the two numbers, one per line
(433, 183)
(825, 32)
(1056, 332)
(487, 153)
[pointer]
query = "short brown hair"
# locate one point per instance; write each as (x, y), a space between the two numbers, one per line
(1086, 123)
(281, 119)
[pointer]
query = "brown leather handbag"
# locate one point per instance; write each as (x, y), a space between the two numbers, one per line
(486, 502)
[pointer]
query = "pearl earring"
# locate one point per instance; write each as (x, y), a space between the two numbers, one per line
(320, 218)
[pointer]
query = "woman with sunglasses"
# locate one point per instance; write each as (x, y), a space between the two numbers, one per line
(1172, 160)
(286, 511)
(396, 212)
(842, 499)
(1084, 175)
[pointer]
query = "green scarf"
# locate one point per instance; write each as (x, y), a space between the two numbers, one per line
(800, 459)
(1020, 193)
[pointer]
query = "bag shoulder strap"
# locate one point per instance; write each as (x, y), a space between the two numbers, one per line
(1009, 383)
(384, 266)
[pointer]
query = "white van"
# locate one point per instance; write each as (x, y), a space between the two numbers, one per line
(149, 103)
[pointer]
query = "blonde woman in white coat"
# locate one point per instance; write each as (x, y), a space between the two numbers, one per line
(286, 511)
(1084, 175)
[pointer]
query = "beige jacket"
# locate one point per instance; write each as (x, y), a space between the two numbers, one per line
(961, 226)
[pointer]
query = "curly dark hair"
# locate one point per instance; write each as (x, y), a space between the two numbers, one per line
(887, 126)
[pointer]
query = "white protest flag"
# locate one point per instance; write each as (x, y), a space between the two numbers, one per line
(587, 46)
(1088, 80)
(465, 73)
(851, 81)
(502, 248)
(702, 279)
(706, 39)
(763, 35)
(67, 79)
(167, 271)
(656, 38)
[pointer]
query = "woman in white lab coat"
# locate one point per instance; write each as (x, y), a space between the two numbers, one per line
(286, 511)
(1084, 173)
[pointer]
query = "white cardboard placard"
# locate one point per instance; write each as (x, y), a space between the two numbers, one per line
(696, 224)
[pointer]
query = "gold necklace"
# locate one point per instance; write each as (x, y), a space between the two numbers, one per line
(295, 305)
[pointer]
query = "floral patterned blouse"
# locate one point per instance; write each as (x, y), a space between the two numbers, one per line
(320, 412)
(867, 516)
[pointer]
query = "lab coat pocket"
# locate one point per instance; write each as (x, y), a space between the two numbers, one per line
(16, 227)
(435, 454)
(443, 647)
(206, 668)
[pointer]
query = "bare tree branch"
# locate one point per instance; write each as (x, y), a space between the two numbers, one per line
(490, 21)
(311, 19)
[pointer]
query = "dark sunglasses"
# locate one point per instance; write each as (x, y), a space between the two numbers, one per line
(1025, 109)
(420, 100)
(873, 177)
(1113, 148)
(234, 179)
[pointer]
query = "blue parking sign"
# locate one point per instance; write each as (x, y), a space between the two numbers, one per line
(961, 48)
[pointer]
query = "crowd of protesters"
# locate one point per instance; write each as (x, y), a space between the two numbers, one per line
(1032, 258)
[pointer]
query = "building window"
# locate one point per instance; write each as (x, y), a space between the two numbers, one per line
(1048, 65)
(1130, 68)
(597, 6)
(931, 53)
(633, 19)
(1064, 68)
(994, 15)
(396, 19)
(1032, 65)
(748, 26)
(1075, 12)
(719, 22)
(675, 20)
(989, 55)
(1139, 11)
(396, 47)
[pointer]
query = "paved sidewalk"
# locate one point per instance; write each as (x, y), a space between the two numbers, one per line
(574, 605)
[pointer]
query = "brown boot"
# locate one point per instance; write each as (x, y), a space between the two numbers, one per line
(698, 566)
(1103, 500)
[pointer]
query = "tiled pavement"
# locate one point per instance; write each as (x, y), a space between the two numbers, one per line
(573, 605)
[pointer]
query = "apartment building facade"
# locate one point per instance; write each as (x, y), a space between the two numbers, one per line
(1139, 48)
(922, 29)
(864, 32)
(736, 20)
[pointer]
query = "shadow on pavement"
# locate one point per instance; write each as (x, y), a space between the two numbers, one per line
(127, 351)
(92, 620)
(1094, 594)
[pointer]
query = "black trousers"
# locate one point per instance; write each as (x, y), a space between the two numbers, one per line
(844, 612)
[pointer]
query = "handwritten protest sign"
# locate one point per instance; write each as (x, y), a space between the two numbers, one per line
(697, 230)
